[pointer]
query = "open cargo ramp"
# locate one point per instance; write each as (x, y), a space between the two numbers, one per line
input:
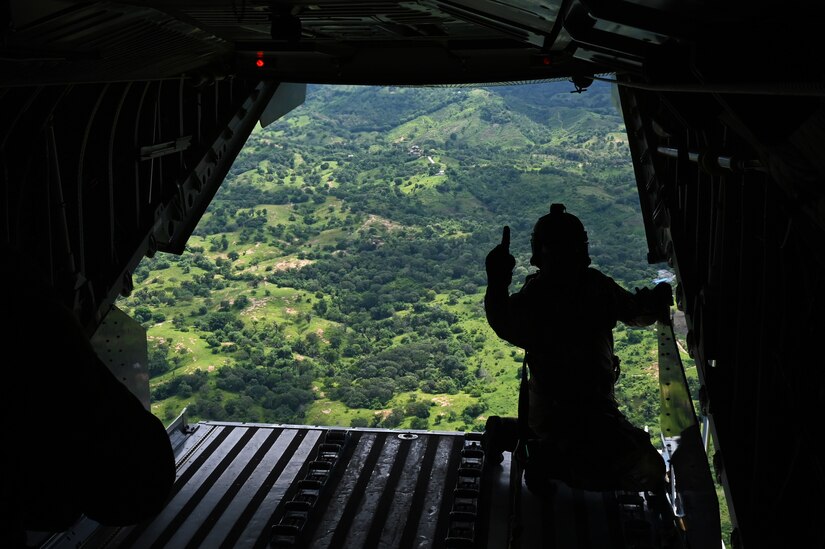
(260, 485)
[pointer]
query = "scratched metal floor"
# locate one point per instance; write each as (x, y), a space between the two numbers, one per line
(250, 485)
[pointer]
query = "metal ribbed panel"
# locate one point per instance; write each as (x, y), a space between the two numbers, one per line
(385, 489)
(98, 42)
(329, 20)
(236, 483)
(227, 487)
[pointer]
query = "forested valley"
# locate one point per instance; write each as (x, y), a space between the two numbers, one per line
(337, 278)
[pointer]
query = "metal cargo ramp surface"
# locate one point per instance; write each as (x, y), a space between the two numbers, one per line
(259, 485)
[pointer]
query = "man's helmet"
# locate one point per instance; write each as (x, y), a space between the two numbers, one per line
(562, 236)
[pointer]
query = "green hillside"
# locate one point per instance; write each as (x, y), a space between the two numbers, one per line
(337, 277)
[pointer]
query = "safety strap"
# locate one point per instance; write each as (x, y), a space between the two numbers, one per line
(523, 404)
(519, 460)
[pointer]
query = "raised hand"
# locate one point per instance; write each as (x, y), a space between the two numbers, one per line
(500, 262)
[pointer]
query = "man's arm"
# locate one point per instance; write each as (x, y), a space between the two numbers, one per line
(499, 264)
(512, 316)
(496, 305)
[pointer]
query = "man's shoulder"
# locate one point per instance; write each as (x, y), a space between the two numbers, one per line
(595, 274)
(600, 282)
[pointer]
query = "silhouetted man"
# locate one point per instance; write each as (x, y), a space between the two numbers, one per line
(76, 440)
(564, 317)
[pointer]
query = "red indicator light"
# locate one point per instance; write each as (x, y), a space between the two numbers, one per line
(545, 60)
(259, 62)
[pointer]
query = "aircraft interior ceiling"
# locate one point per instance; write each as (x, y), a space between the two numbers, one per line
(120, 120)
